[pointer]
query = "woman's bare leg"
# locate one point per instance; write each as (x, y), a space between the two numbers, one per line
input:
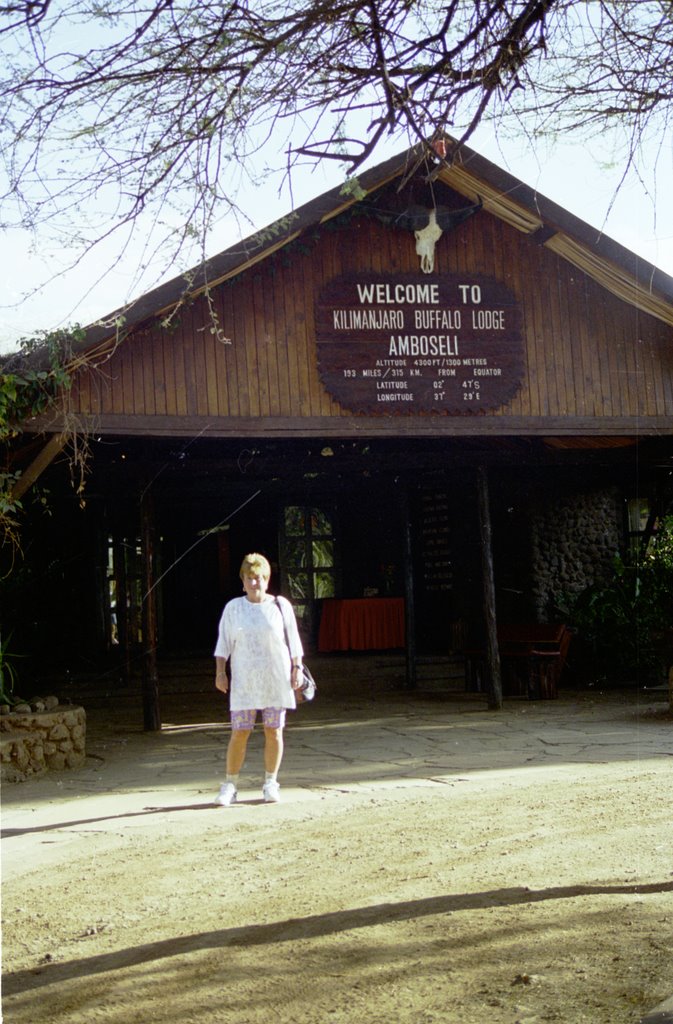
(238, 744)
(273, 750)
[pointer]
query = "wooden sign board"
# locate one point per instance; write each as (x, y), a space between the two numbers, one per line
(419, 343)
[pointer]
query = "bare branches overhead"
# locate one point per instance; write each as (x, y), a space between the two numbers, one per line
(131, 107)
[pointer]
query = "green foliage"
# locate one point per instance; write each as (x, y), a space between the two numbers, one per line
(273, 231)
(625, 625)
(352, 188)
(32, 380)
(35, 377)
(10, 507)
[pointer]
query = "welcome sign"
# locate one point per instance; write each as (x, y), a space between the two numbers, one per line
(412, 343)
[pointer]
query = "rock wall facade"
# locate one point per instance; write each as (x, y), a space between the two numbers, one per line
(32, 743)
(574, 540)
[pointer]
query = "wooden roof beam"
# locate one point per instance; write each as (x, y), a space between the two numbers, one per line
(42, 460)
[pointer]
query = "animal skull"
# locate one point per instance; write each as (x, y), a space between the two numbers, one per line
(426, 240)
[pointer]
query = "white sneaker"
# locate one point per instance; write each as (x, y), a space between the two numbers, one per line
(271, 793)
(227, 795)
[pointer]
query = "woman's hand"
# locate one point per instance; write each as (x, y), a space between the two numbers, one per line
(296, 677)
(221, 677)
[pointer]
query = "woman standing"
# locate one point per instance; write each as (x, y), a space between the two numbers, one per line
(264, 673)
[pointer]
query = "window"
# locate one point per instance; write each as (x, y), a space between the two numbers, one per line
(123, 597)
(308, 562)
(641, 525)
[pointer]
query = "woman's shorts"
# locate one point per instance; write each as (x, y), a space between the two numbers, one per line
(273, 718)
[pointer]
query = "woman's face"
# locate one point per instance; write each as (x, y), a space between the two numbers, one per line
(255, 586)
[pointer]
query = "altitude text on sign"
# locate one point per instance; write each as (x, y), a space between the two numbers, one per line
(404, 344)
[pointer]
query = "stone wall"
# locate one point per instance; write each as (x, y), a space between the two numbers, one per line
(574, 539)
(34, 742)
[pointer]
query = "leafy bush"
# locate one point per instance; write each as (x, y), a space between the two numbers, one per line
(625, 625)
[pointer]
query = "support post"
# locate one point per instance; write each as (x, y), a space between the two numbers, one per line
(150, 679)
(409, 606)
(494, 678)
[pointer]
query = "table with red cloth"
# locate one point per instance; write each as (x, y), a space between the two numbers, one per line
(361, 624)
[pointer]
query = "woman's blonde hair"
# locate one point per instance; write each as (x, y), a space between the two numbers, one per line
(255, 565)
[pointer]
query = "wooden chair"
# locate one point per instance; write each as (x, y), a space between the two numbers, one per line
(532, 657)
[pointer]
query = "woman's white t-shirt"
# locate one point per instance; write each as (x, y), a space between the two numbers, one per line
(252, 635)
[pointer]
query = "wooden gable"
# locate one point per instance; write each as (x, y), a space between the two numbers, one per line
(241, 358)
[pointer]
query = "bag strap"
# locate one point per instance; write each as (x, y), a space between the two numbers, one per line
(287, 639)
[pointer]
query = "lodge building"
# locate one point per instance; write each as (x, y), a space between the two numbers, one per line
(441, 404)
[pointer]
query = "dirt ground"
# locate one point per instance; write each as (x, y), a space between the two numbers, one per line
(440, 891)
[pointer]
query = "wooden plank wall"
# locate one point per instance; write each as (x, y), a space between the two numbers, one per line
(589, 355)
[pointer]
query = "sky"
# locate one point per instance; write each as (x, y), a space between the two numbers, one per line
(581, 178)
